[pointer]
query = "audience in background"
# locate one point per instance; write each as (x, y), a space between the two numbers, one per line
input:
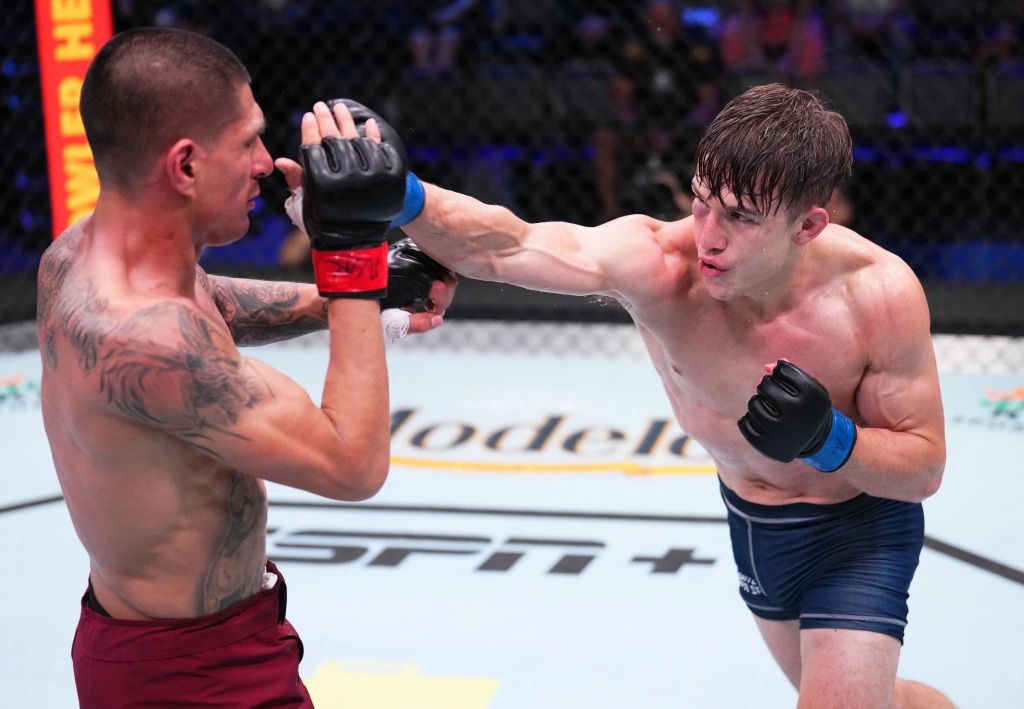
(592, 36)
(781, 37)
(528, 30)
(877, 32)
(840, 208)
(665, 90)
(193, 15)
(671, 64)
(659, 192)
(1001, 41)
(944, 30)
(443, 34)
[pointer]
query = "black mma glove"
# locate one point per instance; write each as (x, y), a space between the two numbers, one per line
(361, 114)
(411, 273)
(353, 189)
(791, 416)
(414, 195)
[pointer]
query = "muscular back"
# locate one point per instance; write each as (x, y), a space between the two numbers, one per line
(134, 390)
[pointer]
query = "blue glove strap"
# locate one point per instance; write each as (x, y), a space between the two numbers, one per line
(414, 199)
(838, 446)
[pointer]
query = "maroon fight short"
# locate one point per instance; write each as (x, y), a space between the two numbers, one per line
(244, 656)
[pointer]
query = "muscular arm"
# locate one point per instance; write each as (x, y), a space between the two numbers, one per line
(624, 258)
(260, 312)
(173, 369)
(901, 447)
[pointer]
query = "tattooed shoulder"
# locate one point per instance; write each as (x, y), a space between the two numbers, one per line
(69, 306)
(169, 366)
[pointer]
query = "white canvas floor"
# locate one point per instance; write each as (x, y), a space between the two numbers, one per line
(490, 575)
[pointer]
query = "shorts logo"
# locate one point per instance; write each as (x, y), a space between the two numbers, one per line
(750, 586)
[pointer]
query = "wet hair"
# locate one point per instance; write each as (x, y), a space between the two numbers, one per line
(774, 146)
(150, 87)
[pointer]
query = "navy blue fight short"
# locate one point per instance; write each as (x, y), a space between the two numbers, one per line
(847, 565)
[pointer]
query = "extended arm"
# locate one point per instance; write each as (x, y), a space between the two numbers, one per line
(624, 258)
(629, 258)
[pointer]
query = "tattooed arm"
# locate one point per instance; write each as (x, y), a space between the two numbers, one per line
(259, 312)
(172, 368)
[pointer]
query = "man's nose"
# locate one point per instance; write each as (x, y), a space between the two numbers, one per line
(264, 163)
(711, 238)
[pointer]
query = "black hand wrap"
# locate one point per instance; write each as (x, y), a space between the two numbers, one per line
(411, 273)
(791, 416)
(353, 189)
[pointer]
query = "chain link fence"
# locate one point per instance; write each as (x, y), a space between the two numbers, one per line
(581, 111)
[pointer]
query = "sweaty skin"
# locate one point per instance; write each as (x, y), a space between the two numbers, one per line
(162, 432)
(749, 279)
(145, 502)
(718, 295)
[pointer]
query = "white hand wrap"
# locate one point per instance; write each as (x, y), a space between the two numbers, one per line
(293, 208)
(395, 322)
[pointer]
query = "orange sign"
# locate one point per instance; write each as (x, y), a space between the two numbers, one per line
(70, 32)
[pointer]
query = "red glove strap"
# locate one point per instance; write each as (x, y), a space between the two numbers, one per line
(352, 271)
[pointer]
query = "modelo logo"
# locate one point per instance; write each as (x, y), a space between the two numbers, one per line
(552, 433)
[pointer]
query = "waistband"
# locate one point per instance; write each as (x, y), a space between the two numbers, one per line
(793, 512)
(114, 639)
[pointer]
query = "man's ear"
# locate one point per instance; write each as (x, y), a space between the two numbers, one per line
(811, 224)
(180, 165)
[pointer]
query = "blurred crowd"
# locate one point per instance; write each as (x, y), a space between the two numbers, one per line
(801, 38)
(663, 67)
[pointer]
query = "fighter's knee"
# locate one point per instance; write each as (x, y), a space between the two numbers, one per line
(909, 694)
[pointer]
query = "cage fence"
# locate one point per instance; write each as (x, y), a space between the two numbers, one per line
(585, 110)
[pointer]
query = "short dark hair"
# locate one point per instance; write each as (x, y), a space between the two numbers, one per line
(774, 145)
(149, 87)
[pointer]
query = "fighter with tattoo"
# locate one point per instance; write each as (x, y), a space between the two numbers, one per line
(162, 432)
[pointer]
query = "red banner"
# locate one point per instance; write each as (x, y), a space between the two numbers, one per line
(70, 32)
